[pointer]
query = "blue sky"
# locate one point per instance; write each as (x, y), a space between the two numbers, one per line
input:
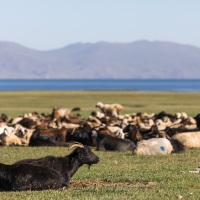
(51, 24)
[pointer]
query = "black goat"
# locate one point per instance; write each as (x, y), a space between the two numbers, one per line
(133, 133)
(19, 177)
(106, 142)
(80, 135)
(36, 140)
(66, 166)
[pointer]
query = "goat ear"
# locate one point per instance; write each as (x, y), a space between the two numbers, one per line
(74, 144)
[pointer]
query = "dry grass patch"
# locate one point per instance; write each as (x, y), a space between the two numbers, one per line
(90, 184)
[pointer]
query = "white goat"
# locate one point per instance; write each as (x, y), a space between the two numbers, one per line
(17, 135)
(188, 139)
(110, 109)
(154, 146)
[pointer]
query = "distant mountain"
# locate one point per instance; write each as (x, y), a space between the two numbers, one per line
(135, 60)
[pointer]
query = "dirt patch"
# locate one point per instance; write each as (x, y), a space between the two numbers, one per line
(94, 184)
(88, 184)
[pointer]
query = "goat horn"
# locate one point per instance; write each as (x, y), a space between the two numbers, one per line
(76, 144)
(73, 131)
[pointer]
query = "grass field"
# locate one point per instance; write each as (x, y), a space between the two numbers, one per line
(118, 175)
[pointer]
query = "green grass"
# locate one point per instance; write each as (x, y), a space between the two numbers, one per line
(18, 103)
(118, 175)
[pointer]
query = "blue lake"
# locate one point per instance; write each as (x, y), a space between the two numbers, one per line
(100, 85)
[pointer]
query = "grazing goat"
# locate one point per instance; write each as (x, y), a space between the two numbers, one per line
(19, 177)
(66, 166)
(113, 110)
(62, 113)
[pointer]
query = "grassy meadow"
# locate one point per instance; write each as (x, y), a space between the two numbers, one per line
(118, 175)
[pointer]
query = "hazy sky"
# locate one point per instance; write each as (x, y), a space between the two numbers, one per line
(50, 24)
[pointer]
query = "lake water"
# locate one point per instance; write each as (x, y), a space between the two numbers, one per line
(98, 85)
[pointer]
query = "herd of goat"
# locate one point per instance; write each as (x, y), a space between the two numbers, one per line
(106, 129)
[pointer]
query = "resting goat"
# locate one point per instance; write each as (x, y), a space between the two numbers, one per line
(188, 139)
(107, 142)
(66, 166)
(19, 177)
(158, 146)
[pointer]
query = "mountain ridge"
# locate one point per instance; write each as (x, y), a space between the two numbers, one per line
(104, 60)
